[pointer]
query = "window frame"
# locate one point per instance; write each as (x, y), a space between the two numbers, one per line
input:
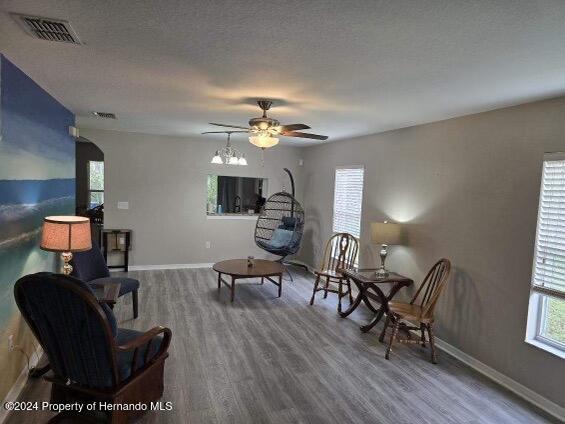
(362, 167)
(540, 295)
(541, 323)
(89, 190)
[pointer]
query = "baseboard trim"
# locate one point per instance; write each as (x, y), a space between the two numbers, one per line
(183, 266)
(503, 380)
(20, 383)
(166, 266)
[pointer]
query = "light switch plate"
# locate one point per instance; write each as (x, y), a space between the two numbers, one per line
(123, 205)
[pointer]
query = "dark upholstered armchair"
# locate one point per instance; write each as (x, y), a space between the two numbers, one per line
(91, 268)
(92, 359)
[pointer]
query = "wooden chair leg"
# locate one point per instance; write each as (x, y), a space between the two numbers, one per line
(349, 290)
(135, 302)
(392, 336)
(385, 326)
(423, 335)
(315, 289)
(326, 288)
(432, 343)
(339, 295)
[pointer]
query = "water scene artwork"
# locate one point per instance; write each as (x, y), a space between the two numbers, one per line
(37, 178)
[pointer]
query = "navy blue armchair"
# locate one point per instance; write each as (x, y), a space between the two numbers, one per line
(91, 359)
(91, 268)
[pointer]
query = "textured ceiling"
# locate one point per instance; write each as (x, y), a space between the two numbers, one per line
(346, 68)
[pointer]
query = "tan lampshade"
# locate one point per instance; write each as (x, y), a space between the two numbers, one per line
(66, 234)
(385, 233)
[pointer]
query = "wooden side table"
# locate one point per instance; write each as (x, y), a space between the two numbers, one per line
(369, 287)
(116, 247)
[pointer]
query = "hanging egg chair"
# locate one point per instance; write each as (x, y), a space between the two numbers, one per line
(280, 225)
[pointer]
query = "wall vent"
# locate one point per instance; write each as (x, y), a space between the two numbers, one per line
(105, 115)
(47, 29)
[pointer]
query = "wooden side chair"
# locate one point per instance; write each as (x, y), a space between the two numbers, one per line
(419, 311)
(340, 253)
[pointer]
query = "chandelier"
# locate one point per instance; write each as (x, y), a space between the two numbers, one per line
(229, 155)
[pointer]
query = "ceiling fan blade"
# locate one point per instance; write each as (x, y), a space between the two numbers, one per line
(305, 135)
(223, 132)
(228, 125)
(294, 127)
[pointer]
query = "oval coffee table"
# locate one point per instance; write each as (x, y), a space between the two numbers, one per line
(237, 269)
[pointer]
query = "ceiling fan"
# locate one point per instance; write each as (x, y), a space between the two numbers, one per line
(264, 130)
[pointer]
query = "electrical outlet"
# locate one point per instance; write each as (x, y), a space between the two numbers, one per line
(208, 245)
(11, 342)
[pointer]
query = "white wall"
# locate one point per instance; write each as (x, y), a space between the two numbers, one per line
(466, 189)
(164, 181)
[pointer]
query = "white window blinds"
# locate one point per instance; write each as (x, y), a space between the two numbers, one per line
(348, 198)
(549, 256)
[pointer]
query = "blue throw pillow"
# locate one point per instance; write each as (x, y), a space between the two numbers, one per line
(288, 223)
(280, 238)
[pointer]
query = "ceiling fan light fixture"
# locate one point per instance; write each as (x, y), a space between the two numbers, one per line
(262, 141)
(264, 130)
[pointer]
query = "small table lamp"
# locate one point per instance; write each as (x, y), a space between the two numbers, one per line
(384, 233)
(66, 234)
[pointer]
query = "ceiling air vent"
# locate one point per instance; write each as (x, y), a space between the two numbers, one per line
(48, 29)
(105, 115)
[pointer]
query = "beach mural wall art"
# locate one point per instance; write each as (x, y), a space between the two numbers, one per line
(37, 178)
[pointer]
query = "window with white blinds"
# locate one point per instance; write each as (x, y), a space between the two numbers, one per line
(348, 198)
(546, 313)
(549, 258)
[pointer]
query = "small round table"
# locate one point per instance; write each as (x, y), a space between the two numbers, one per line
(237, 269)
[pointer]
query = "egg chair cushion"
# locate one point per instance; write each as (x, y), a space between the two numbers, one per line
(288, 223)
(281, 238)
(265, 245)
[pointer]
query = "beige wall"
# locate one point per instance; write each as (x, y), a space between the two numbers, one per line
(164, 181)
(467, 189)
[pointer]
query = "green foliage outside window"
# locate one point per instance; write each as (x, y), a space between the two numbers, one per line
(212, 196)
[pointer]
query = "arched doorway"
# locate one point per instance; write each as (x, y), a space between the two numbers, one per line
(90, 185)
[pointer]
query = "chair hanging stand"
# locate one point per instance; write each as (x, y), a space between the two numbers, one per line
(280, 226)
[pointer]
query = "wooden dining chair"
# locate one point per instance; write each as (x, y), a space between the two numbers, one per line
(419, 311)
(340, 253)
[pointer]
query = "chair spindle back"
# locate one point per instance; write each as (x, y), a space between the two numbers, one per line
(429, 291)
(340, 252)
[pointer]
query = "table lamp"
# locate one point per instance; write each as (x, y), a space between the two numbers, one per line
(385, 234)
(66, 234)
